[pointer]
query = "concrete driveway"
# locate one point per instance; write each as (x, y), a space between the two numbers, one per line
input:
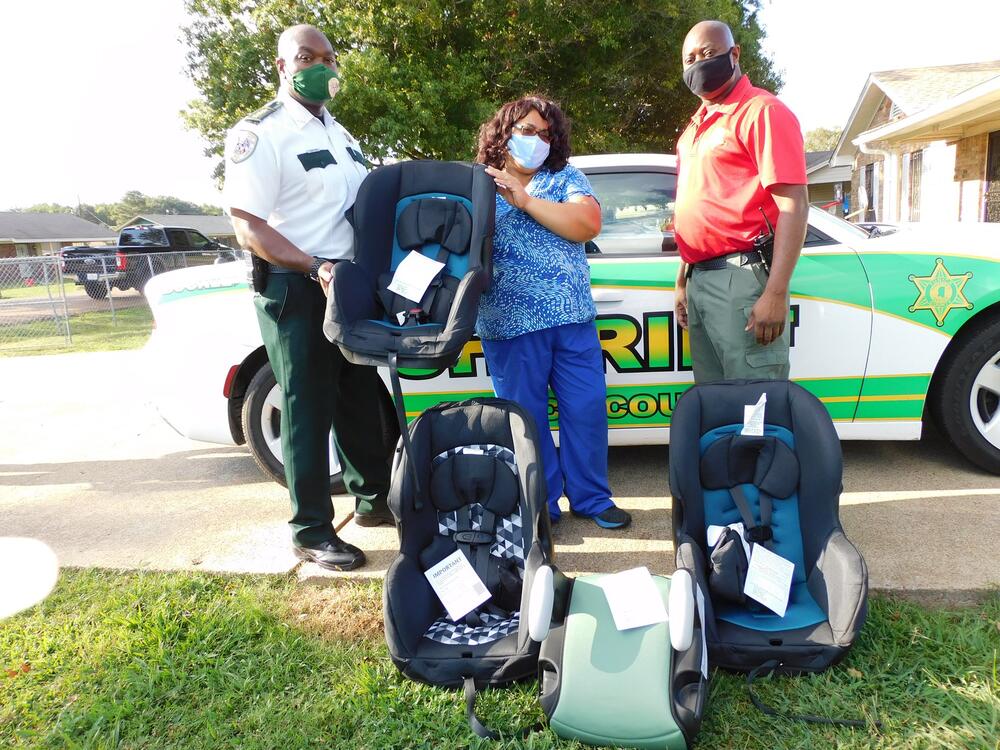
(106, 483)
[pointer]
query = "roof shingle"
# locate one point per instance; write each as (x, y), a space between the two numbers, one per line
(914, 89)
(17, 226)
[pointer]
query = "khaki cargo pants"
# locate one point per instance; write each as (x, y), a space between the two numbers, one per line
(719, 305)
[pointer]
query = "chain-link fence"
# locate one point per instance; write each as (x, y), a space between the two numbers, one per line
(33, 307)
(87, 298)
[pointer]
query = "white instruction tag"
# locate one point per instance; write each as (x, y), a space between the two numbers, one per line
(457, 586)
(714, 532)
(753, 416)
(634, 599)
(700, 599)
(413, 275)
(769, 579)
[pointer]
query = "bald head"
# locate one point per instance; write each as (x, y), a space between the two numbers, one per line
(708, 32)
(299, 48)
(706, 46)
(302, 35)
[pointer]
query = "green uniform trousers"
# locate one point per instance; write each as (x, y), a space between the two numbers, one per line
(719, 304)
(321, 389)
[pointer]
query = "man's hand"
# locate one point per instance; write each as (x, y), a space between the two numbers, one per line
(681, 306)
(325, 275)
(768, 316)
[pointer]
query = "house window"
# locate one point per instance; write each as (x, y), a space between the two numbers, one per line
(869, 186)
(916, 172)
(991, 198)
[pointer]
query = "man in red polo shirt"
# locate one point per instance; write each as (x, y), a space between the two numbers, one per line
(741, 170)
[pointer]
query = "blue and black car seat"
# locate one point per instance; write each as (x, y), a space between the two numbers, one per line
(471, 480)
(784, 487)
(442, 210)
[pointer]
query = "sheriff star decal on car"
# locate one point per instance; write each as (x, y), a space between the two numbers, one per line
(941, 292)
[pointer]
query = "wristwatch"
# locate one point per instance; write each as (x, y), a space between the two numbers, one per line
(314, 268)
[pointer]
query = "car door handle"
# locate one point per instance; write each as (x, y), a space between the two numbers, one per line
(600, 295)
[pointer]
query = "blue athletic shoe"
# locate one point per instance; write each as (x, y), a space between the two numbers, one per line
(612, 518)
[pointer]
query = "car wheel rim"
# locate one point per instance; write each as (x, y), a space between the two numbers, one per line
(270, 428)
(984, 401)
(270, 422)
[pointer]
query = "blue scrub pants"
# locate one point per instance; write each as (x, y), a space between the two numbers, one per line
(568, 358)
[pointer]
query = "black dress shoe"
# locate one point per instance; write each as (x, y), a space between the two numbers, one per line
(332, 555)
(375, 518)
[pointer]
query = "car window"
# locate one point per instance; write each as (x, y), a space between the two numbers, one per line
(637, 212)
(197, 240)
(178, 238)
(815, 238)
(142, 237)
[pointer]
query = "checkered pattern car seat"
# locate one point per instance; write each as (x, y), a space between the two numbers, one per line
(481, 491)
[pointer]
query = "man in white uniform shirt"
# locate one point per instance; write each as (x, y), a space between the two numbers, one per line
(291, 173)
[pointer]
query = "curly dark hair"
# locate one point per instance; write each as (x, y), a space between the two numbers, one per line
(494, 133)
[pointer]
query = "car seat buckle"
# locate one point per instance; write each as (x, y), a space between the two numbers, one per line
(758, 534)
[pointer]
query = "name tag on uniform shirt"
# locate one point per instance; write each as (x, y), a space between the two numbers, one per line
(316, 159)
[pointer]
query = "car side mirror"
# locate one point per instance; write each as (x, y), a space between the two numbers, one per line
(590, 248)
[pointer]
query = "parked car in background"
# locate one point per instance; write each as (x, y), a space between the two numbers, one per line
(143, 251)
(886, 331)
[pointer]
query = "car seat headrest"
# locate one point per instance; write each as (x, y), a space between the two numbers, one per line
(441, 220)
(467, 478)
(747, 459)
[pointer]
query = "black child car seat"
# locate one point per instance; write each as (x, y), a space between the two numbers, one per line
(472, 480)
(441, 210)
(784, 487)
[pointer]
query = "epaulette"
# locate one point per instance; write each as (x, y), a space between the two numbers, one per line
(266, 111)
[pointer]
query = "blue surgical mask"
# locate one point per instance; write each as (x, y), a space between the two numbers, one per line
(529, 151)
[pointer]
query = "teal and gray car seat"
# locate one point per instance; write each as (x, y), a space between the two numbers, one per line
(441, 210)
(784, 488)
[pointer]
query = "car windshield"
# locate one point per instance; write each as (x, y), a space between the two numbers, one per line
(840, 230)
(143, 237)
(637, 208)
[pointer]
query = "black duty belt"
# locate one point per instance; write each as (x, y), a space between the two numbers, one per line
(281, 269)
(732, 259)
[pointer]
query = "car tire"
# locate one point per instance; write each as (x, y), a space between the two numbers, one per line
(262, 428)
(95, 289)
(966, 398)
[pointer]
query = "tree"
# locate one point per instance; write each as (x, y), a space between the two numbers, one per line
(419, 76)
(822, 139)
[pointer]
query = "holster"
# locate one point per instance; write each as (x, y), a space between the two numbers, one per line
(765, 245)
(258, 273)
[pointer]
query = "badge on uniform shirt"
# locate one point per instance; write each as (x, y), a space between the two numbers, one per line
(246, 142)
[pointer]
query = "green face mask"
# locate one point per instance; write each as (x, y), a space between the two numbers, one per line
(313, 83)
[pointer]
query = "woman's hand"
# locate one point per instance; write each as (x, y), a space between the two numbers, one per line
(510, 188)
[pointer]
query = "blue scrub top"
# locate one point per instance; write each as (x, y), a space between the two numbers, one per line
(540, 280)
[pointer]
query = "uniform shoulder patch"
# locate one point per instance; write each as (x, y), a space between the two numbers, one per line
(266, 111)
(243, 145)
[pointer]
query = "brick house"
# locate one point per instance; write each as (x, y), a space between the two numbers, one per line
(923, 144)
(25, 234)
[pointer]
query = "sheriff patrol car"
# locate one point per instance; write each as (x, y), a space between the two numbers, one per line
(885, 331)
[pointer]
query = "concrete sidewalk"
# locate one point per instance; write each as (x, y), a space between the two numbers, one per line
(88, 466)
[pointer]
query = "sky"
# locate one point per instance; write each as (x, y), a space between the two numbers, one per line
(93, 90)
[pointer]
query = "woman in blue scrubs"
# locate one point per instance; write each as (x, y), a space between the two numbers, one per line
(537, 321)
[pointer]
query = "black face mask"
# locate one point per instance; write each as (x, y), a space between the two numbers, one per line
(706, 76)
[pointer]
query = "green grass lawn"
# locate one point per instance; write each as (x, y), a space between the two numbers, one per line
(38, 291)
(92, 332)
(158, 660)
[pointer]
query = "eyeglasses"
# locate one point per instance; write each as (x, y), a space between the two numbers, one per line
(530, 130)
